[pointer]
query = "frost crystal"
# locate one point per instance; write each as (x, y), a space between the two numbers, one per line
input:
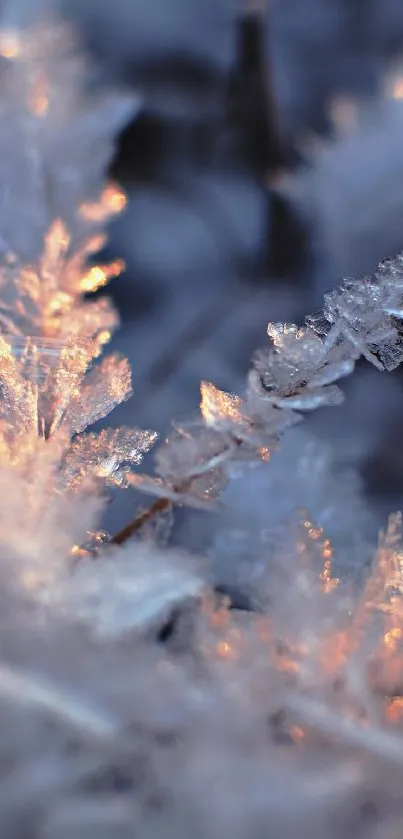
(58, 144)
(46, 299)
(296, 374)
(108, 455)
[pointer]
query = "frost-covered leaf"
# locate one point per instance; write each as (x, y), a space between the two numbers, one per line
(356, 310)
(298, 372)
(219, 408)
(199, 495)
(105, 386)
(108, 455)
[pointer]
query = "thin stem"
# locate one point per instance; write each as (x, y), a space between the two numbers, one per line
(163, 504)
(380, 743)
(30, 689)
(123, 535)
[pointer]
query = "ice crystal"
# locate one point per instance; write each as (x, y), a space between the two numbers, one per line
(194, 462)
(43, 385)
(108, 455)
(296, 374)
(106, 385)
(51, 387)
(46, 299)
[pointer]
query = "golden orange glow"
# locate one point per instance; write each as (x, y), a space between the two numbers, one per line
(313, 532)
(104, 337)
(397, 89)
(394, 710)
(5, 349)
(10, 44)
(38, 101)
(329, 582)
(114, 198)
(217, 616)
(59, 302)
(99, 275)
(225, 651)
(392, 637)
(40, 105)
(297, 734)
(217, 406)
(393, 82)
(111, 202)
(47, 298)
(95, 279)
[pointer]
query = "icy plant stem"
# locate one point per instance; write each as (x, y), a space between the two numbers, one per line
(379, 743)
(29, 689)
(161, 505)
(158, 506)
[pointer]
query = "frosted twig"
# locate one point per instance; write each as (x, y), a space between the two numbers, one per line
(297, 374)
(29, 689)
(378, 742)
(161, 505)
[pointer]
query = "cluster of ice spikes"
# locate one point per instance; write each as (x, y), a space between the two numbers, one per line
(295, 375)
(54, 208)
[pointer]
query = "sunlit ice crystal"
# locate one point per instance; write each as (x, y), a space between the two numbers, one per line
(39, 378)
(250, 425)
(220, 408)
(108, 455)
(106, 385)
(44, 383)
(47, 297)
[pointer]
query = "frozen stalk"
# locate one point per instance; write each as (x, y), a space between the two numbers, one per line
(296, 374)
(35, 692)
